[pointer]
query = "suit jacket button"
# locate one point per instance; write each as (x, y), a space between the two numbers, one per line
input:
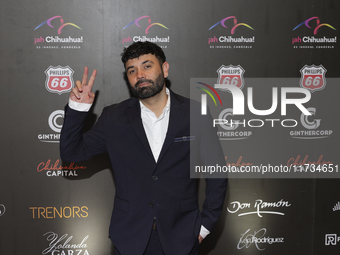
(155, 177)
(151, 205)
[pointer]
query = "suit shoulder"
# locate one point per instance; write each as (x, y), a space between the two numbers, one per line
(121, 106)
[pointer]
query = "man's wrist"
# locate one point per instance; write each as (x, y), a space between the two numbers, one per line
(81, 107)
(204, 232)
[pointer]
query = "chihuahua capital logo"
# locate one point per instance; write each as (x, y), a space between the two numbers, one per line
(61, 25)
(234, 26)
(318, 25)
(136, 22)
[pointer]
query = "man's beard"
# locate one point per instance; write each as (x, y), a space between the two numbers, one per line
(148, 91)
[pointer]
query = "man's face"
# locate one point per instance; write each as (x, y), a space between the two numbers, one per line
(146, 76)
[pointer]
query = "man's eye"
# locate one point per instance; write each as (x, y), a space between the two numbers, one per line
(147, 67)
(131, 71)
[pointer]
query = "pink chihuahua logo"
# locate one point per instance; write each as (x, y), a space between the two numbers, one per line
(236, 25)
(62, 24)
(136, 22)
(318, 25)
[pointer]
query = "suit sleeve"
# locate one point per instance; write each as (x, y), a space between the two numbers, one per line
(216, 185)
(77, 146)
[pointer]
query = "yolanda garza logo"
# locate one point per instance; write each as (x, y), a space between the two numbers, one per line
(142, 38)
(257, 239)
(229, 41)
(57, 42)
(258, 205)
(62, 245)
(2, 209)
(56, 169)
(55, 122)
(314, 42)
(59, 79)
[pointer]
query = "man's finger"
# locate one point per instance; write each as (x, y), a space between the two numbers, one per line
(79, 86)
(85, 75)
(92, 78)
(75, 92)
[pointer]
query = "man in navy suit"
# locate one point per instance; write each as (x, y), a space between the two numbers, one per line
(151, 148)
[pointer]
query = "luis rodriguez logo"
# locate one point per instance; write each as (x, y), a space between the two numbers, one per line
(137, 23)
(57, 25)
(315, 40)
(231, 24)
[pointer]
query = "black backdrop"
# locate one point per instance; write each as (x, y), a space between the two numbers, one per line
(46, 205)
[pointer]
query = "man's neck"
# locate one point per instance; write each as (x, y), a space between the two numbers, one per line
(156, 103)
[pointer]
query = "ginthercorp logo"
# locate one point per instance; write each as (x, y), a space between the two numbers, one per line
(67, 212)
(332, 239)
(315, 26)
(230, 25)
(55, 122)
(59, 79)
(146, 28)
(64, 244)
(2, 209)
(312, 127)
(57, 25)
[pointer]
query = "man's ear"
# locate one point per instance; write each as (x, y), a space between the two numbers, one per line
(165, 68)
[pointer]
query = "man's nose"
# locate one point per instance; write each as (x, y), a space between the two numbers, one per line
(140, 74)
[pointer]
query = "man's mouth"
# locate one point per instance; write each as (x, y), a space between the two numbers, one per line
(141, 84)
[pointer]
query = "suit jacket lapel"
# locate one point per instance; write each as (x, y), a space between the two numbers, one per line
(134, 115)
(175, 120)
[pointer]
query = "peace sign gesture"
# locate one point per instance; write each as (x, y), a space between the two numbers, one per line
(82, 92)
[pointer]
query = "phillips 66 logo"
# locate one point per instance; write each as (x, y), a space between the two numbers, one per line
(59, 79)
(313, 77)
(231, 75)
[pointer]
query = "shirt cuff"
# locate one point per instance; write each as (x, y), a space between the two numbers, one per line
(204, 232)
(81, 107)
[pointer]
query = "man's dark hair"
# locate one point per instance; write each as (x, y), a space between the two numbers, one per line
(137, 49)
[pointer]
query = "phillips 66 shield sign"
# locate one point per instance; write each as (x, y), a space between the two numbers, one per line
(313, 77)
(231, 75)
(59, 79)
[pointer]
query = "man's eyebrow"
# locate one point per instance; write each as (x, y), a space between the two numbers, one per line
(144, 62)
(129, 68)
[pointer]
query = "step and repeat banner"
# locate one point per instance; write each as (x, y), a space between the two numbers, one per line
(268, 71)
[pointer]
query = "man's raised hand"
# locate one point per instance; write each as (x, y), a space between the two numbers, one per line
(82, 92)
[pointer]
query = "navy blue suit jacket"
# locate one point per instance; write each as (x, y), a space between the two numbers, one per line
(146, 189)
